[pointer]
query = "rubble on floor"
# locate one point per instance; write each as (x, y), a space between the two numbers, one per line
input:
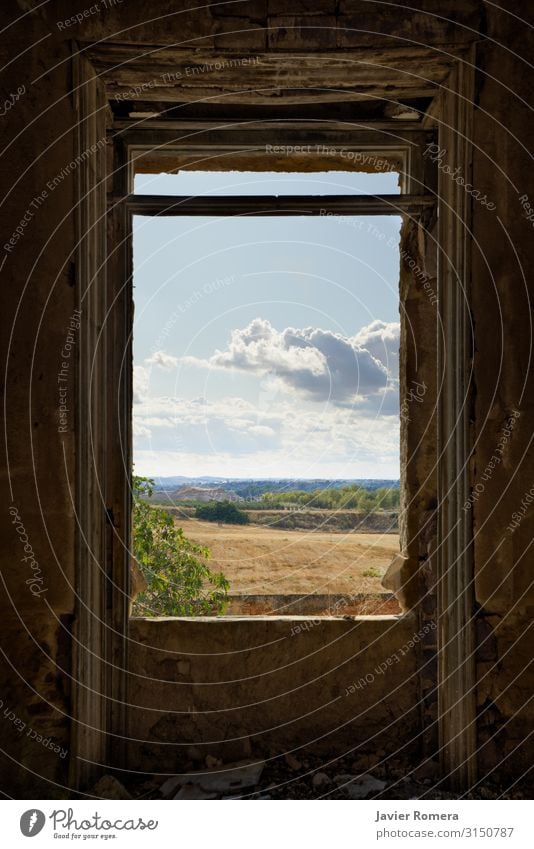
(221, 780)
(309, 777)
(109, 787)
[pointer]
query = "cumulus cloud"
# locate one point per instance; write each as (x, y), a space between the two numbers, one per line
(227, 436)
(261, 349)
(140, 430)
(322, 365)
(234, 426)
(162, 360)
(381, 339)
(278, 427)
(140, 384)
(227, 424)
(141, 373)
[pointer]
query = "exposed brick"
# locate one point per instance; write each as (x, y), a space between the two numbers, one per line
(429, 740)
(430, 673)
(362, 24)
(429, 519)
(428, 604)
(486, 641)
(254, 10)
(239, 33)
(429, 639)
(296, 32)
(366, 30)
(302, 7)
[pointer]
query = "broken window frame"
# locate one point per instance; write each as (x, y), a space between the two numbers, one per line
(141, 158)
(104, 405)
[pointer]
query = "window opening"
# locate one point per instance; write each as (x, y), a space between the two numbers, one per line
(266, 403)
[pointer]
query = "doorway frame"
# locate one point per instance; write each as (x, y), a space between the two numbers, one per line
(104, 396)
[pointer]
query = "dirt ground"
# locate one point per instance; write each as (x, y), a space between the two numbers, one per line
(259, 560)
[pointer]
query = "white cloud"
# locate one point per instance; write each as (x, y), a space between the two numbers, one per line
(162, 360)
(283, 430)
(261, 430)
(140, 384)
(282, 438)
(141, 373)
(140, 430)
(381, 339)
(320, 364)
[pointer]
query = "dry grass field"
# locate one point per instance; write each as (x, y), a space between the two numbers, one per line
(260, 560)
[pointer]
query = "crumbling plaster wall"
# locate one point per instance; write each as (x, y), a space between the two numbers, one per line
(39, 297)
(250, 25)
(270, 685)
(503, 467)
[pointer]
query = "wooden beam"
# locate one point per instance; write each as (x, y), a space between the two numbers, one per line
(90, 678)
(266, 205)
(456, 601)
(173, 75)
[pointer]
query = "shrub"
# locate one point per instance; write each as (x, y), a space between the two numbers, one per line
(180, 582)
(222, 511)
(372, 572)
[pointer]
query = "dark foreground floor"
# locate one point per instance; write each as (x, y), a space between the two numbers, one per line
(309, 778)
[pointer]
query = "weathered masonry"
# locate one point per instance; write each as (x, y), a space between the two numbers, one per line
(439, 93)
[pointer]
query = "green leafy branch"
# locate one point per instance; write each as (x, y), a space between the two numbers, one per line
(179, 579)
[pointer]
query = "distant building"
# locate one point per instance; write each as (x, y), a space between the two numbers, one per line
(199, 493)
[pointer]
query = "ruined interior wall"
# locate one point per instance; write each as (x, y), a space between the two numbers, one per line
(258, 25)
(503, 468)
(418, 395)
(418, 421)
(266, 686)
(35, 637)
(38, 299)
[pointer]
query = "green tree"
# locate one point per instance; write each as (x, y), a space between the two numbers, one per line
(179, 580)
(347, 497)
(222, 511)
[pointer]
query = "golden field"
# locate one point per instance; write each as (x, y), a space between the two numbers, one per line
(260, 560)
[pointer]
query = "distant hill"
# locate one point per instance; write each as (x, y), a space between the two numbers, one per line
(201, 493)
(252, 488)
(281, 483)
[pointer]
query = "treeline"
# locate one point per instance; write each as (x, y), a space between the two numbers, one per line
(351, 497)
(347, 497)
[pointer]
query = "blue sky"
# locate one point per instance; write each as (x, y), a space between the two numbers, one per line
(266, 347)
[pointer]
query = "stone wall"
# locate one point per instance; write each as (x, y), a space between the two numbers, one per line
(252, 25)
(269, 686)
(359, 604)
(39, 287)
(503, 464)
(38, 299)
